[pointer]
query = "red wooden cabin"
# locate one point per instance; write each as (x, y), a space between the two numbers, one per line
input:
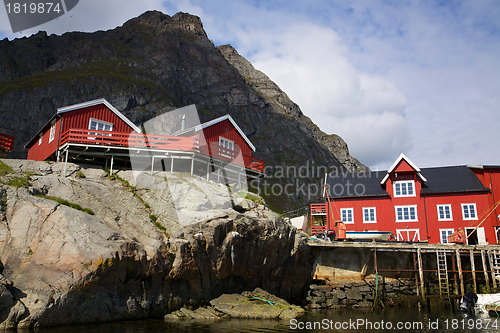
(425, 204)
(96, 129)
(6, 142)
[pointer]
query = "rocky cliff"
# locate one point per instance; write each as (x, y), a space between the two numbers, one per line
(153, 64)
(113, 249)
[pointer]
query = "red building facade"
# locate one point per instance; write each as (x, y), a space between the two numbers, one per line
(418, 205)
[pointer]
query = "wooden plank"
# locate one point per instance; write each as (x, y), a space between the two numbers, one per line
(416, 273)
(460, 273)
(421, 273)
(485, 270)
(473, 268)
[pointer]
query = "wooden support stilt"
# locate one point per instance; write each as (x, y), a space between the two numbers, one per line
(111, 166)
(473, 269)
(208, 172)
(485, 270)
(172, 165)
(493, 279)
(421, 273)
(192, 166)
(218, 174)
(416, 273)
(460, 273)
(65, 163)
(375, 260)
(454, 263)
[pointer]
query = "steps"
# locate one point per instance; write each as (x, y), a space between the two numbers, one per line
(442, 273)
(495, 260)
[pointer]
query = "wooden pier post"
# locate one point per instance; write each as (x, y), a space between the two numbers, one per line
(485, 270)
(454, 263)
(416, 273)
(493, 278)
(473, 268)
(460, 273)
(421, 272)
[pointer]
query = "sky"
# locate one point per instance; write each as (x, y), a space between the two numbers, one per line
(415, 77)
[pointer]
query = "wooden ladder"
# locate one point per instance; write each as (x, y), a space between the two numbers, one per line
(442, 273)
(495, 260)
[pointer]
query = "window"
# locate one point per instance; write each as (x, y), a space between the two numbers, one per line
(406, 213)
(469, 211)
(40, 138)
(225, 143)
(52, 131)
(100, 125)
(369, 215)
(347, 215)
(444, 233)
(404, 188)
(444, 213)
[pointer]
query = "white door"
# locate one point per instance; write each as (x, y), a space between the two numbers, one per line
(409, 235)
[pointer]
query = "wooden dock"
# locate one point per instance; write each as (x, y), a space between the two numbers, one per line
(451, 265)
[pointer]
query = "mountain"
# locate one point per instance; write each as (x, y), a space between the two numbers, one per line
(156, 63)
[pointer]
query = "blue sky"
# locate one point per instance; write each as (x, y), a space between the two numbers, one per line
(414, 77)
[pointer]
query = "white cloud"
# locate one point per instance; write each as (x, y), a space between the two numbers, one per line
(88, 16)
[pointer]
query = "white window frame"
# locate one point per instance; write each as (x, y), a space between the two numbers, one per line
(98, 121)
(226, 143)
(448, 231)
(402, 212)
(405, 183)
(468, 205)
(374, 215)
(40, 139)
(347, 210)
(52, 134)
(497, 234)
(444, 211)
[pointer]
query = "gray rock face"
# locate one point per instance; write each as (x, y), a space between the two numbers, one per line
(65, 266)
(153, 64)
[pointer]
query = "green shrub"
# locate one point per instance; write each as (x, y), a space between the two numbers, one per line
(152, 217)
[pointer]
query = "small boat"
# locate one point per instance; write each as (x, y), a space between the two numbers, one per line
(369, 235)
(488, 304)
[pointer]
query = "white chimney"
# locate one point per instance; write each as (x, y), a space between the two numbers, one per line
(183, 122)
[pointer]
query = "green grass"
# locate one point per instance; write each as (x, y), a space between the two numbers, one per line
(19, 182)
(162, 228)
(5, 169)
(79, 174)
(67, 203)
(152, 217)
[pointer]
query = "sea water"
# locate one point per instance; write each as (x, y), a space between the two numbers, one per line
(341, 320)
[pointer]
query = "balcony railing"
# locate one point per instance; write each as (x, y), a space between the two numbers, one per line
(6, 142)
(139, 140)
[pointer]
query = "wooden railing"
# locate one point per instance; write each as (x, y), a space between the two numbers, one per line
(318, 209)
(6, 142)
(107, 138)
(136, 140)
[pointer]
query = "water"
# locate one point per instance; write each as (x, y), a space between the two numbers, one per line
(342, 320)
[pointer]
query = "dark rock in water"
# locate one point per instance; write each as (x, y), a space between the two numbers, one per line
(258, 304)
